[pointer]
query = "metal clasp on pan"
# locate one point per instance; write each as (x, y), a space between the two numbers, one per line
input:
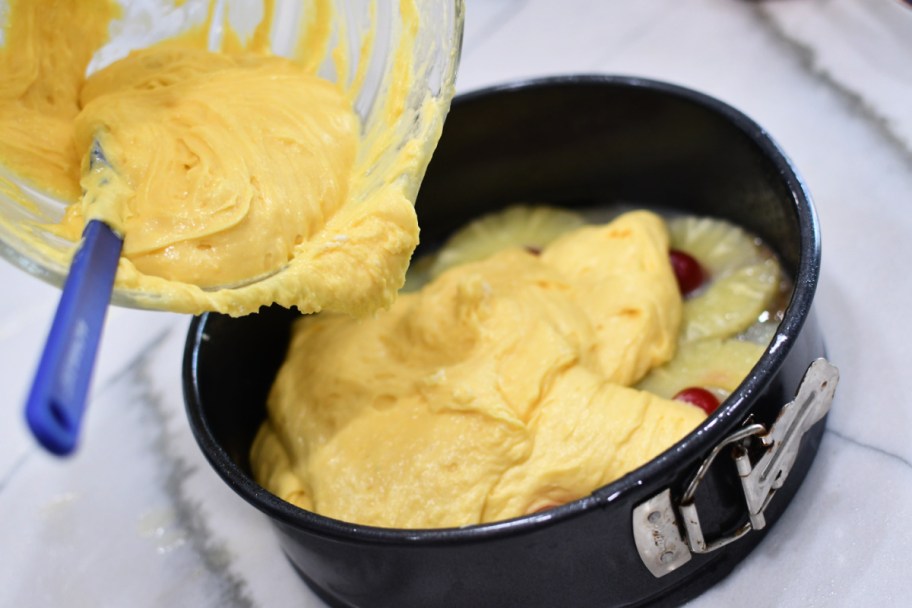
(665, 545)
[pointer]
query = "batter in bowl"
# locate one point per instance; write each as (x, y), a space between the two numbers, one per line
(237, 167)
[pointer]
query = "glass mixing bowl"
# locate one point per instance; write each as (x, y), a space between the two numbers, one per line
(361, 44)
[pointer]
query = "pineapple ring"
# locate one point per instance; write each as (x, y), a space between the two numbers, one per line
(720, 246)
(730, 305)
(744, 281)
(718, 365)
(533, 227)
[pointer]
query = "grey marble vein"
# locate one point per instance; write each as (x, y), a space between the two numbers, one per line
(17, 465)
(144, 350)
(870, 448)
(144, 353)
(174, 470)
(806, 57)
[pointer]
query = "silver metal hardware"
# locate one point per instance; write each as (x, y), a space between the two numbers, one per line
(656, 529)
(760, 482)
(657, 537)
(694, 530)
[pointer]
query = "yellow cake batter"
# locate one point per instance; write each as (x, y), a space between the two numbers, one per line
(499, 389)
(234, 168)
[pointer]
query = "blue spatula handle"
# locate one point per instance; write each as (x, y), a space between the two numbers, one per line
(58, 397)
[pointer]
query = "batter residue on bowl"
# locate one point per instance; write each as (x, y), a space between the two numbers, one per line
(237, 167)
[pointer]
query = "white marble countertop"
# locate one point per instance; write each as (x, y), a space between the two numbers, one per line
(138, 518)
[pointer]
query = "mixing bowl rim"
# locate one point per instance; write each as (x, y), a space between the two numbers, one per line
(688, 449)
(30, 258)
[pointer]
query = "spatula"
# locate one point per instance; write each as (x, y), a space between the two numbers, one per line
(57, 400)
